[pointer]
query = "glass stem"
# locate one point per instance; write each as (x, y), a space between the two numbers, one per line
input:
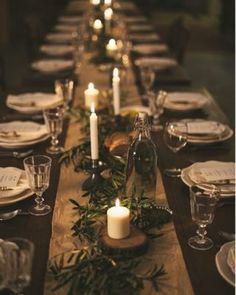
(201, 232)
(54, 141)
(39, 201)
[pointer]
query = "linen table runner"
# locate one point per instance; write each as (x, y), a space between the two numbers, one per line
(165, 250)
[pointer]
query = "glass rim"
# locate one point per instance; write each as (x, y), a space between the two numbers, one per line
(205, 189)
(37, 156)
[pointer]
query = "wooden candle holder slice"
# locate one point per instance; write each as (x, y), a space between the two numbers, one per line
(135, 244)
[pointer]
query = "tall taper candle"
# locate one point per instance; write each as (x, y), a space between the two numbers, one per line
(94, 134)
(91, 96)
(107, 16)
(116, 91)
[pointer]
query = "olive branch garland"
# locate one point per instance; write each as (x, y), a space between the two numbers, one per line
(90, 270)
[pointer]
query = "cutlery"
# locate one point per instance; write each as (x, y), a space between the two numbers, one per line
(18, 155)
(11, 214)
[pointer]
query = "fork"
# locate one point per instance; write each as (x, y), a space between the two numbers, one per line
(18, 155)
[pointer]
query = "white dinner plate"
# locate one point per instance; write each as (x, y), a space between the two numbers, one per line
(31, 103)
(146, 49)
(52, 66)
(185, 101)
(144, 37)
(158, 63)
(70, 19)
(59, 37)
(189, 182)
(221, 263)
(225, 132)
(140, 28)
(56, 50)
(25, 144)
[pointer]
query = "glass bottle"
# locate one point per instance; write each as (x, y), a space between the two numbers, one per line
(141, 169)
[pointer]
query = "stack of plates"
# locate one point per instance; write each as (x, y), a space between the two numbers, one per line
(52, 66)
(204, 132)
(56, 50)
(221, 174)
(225, 262)
(144, 37)
(158, 63)
(21, 134)
(32, 102)
(14, 194)
(146, 49)
(59, 37)
(185, 101)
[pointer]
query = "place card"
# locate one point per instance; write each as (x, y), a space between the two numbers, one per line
(9, 178)
(205, 127)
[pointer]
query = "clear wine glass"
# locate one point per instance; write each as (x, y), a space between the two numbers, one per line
(19, 261)
(147, 78)
(156, 104)
(175, 137)
(54, 122)
(38, 174)
(203, 202)
(64, 89)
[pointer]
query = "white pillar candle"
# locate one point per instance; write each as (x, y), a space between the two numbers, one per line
(116, 91)
(107, 16)
(91, 96)
(111, 48)
(118, 221)
(97, 26)
(94, 134)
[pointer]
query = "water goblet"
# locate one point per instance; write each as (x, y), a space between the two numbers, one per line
(175, 137)
(64, 89)
(37, 170)
(54, 122)
(147, 78)
(203, 201)
(19, 263)
(156, 104)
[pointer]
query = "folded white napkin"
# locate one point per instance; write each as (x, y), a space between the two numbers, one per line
(20, 185)
(212, 171)
(52, 66)
(21, 131)
(56, 50)
(156, 62)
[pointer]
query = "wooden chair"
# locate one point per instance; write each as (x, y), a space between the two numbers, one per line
(177, 38)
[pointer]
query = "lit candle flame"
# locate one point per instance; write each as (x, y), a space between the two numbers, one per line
(107, 2)
(95, 2)
(115, 73)
(108, 13)
(117, 202)
(97, 24)
(90, 86)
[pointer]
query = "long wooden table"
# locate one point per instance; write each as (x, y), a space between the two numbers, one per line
(200, 265)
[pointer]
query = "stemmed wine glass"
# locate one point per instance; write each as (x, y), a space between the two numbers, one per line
(64, 89)
(54, 122)
(203, 202)
(37, 170)
(156, 104)
(175, 137)
(147, 78)
(19, 263)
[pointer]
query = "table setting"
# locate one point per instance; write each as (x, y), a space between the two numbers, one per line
(114, 203)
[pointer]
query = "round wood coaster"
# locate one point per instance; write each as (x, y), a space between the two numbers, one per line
(135, 244)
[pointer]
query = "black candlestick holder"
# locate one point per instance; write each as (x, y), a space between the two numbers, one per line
(95, 176)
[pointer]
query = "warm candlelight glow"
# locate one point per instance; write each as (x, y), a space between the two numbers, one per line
(107, 2)
(115, 72)
(90, 86)
(117, 202)
(112, 44)
(108, 13)
(97, 24)
(95, 2)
